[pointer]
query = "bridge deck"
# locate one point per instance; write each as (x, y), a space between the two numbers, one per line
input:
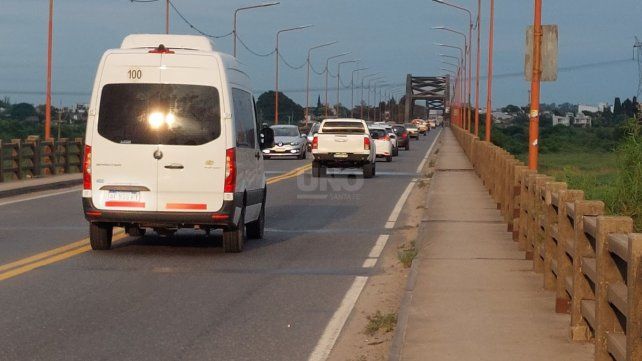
(475, 297)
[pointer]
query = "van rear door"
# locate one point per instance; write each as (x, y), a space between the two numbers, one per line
(124, 171)
(191, 172)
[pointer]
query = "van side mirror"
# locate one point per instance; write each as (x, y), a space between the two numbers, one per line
(266, 138)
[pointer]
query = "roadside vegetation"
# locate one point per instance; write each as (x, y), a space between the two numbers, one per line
(605, 161)
(380, 322)
(407, 254)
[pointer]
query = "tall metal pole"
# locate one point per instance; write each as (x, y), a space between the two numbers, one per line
(362, 88)
(478, 68)
(327, 72)
(489, 92)
(276, 87)
(533, 143)
(307, 82)
(352, 90)
(234, 33)
(167, 17)
(339, 81)
(49, 61)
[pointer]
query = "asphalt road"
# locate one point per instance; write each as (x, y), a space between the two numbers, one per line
(182, 298)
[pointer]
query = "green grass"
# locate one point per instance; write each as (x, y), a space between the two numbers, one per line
(379, 321)
(407, 255)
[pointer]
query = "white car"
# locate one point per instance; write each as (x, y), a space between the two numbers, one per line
(383, 145)
(172, 142)
(393, 140)
(343, 143)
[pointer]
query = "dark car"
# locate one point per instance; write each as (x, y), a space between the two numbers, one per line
(403, 141)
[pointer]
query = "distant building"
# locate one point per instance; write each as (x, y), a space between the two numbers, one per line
(501, 118)
(582, 120)
(587, 108)
(558, 120)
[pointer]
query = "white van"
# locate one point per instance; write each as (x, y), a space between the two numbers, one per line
(173, 142)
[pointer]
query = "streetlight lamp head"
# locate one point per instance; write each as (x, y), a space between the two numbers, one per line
(438, 28)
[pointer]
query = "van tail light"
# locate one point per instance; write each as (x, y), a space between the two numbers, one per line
(366, 143)
(404, 135)
(230, 170)
(86, 168)
(161, 49)
(386, 138)
(315, 142)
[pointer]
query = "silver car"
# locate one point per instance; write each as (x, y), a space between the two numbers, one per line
(288, 142)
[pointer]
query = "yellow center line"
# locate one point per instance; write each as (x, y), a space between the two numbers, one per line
(53, 259)
(38, 260)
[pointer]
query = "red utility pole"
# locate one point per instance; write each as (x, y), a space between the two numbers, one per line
(49, 61)
(478, 68)
(533, 138)
(489, 93)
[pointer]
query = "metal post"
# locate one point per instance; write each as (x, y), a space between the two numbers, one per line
(478, 68)
(489, 92)
(236, 13)
(533, 143)
(276, 53)
(307, 83)
(49, 61)
(339, 82)
(167, 17)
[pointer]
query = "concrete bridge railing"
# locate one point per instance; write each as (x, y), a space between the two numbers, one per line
(592, 262)
(25, 159)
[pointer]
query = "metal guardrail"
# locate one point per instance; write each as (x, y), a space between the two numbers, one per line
(592, 262)
(32, 157)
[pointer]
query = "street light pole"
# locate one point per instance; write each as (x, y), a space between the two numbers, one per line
(489, 92)
(307, 82)
(478, 68)
(363, 87)
(49, 61)
(352, 90)
(467, 46)
(327, 72)
(533, 134)
(339, 81)
(276, 92)
(461, 79)
(470, 35)
(167, 17)
(234, 33)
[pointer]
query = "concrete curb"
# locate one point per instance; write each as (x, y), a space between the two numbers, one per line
(30, 188)
(402, 319)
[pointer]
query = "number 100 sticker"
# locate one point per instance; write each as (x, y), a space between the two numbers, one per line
(135, 74)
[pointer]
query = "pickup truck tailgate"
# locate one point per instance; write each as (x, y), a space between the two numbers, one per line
(341, 143)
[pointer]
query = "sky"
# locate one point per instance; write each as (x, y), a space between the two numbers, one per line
(391, 37)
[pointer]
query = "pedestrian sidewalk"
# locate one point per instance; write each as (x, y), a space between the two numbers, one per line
(8, 189)
(474, 296)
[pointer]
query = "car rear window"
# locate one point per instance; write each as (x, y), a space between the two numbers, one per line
(286, 131)
(377, 133)
(343, 127)
(171, 114)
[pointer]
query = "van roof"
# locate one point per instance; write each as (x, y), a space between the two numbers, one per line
(170, 41)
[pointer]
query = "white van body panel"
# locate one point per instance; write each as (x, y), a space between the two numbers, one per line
(196, 186)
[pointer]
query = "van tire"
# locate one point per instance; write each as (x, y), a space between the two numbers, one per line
(395, 151)
(389, 159)
(256, 229)
(408, 145)
(368, 170)
(234, 238)
(100, 235)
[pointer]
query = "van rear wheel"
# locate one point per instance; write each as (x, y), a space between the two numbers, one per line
(100, 235)
(233, 239)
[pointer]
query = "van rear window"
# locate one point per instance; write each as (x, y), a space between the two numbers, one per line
(171, 114)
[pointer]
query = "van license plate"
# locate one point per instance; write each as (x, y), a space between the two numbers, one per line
(123, 196)
(340, 155)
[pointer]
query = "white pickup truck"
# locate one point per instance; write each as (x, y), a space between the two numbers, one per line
(343, 143)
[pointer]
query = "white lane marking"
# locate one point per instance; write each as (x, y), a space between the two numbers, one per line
(378, 247)
(338, 320)
(423, 162)
(397, 210)
(77, 189)
(369, 263)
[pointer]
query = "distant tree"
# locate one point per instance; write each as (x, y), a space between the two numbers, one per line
(318, 111)
(288, 109)
(22, 111)
(627, 108)
(511, 109)
(617, 107)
